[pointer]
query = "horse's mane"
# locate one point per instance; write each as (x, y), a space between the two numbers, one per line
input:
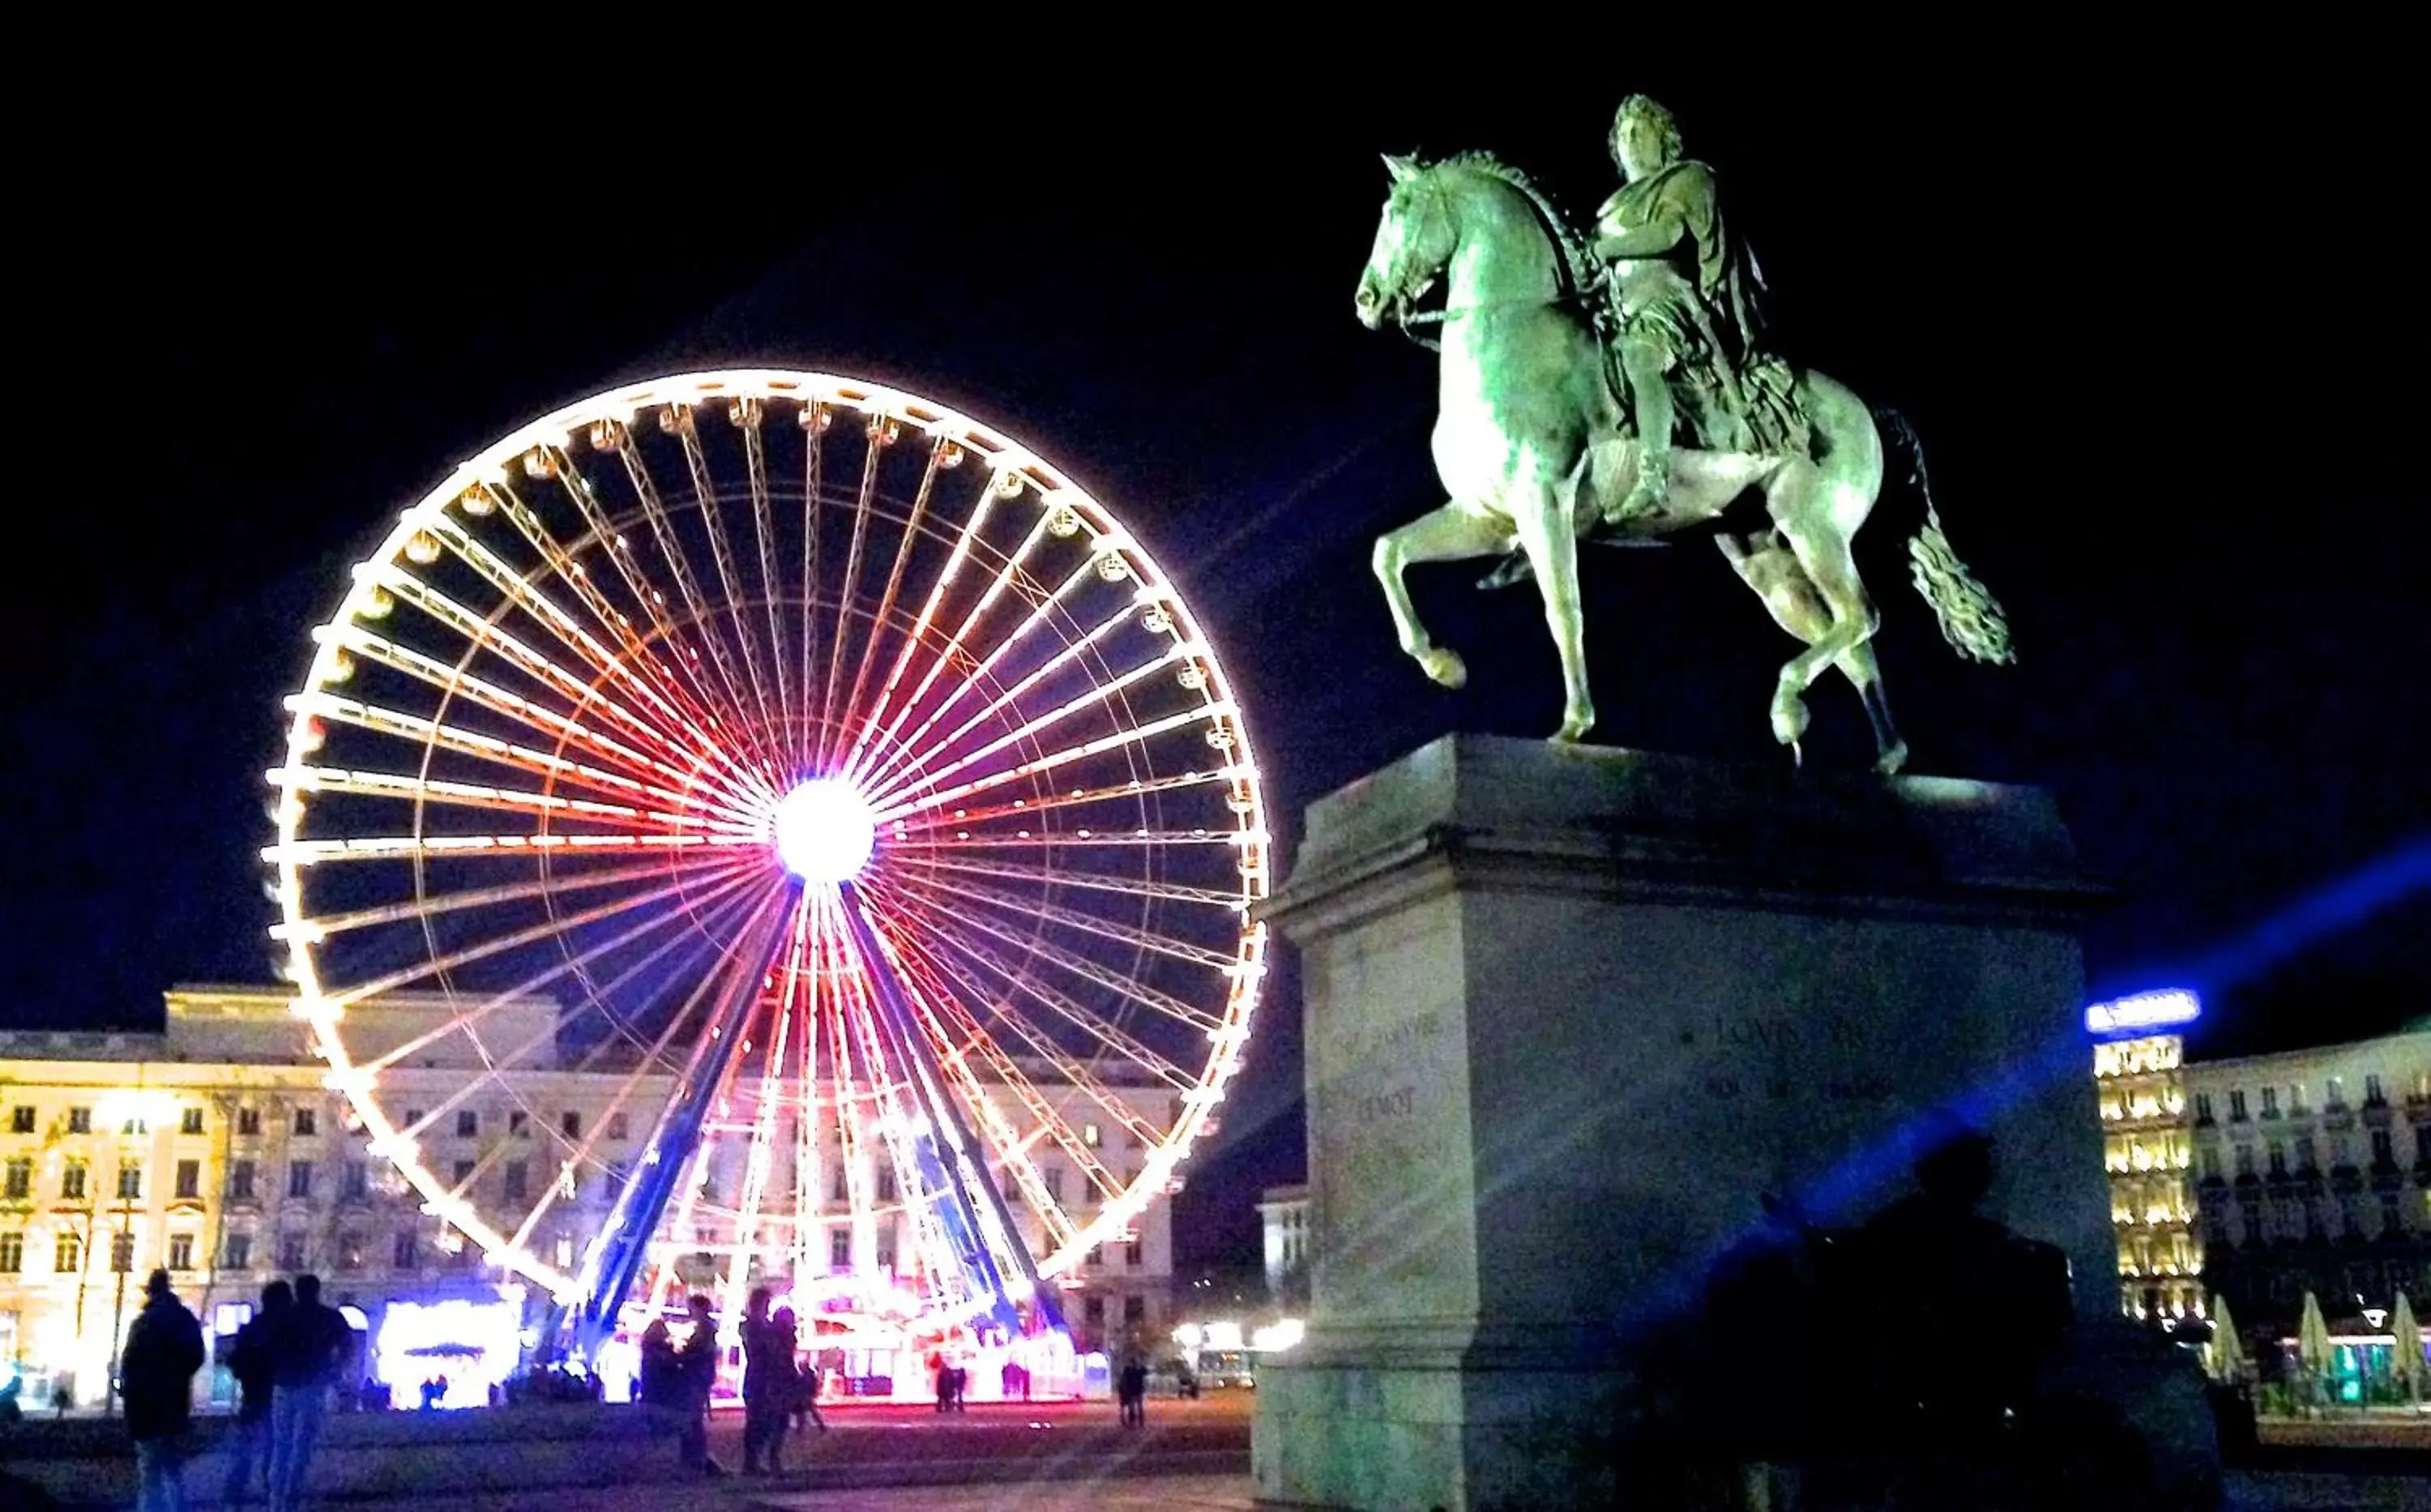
(1571, 248)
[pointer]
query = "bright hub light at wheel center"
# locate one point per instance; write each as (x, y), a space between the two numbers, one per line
(824, 831)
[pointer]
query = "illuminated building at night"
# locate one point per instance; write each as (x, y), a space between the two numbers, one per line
(2261, 1178)
(215, 1149)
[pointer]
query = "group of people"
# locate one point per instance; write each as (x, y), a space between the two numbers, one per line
(285, 1359)
(777, 1389)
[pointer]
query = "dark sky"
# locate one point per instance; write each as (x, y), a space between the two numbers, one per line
(2156, 323)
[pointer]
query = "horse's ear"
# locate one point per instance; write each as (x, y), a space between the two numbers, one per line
(1402, 169)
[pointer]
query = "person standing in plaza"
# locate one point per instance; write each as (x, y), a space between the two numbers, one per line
(252, 1359)
(156, 1381)
(695, 1377)
(307, 1350)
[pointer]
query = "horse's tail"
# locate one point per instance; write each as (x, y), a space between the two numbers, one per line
(1971, 618)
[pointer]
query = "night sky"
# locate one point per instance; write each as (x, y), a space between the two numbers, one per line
(2164, 341)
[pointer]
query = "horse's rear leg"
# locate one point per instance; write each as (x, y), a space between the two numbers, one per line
(1448, 533)
(1764, 563)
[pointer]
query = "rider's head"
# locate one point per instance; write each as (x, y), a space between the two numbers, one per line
(1644, 137)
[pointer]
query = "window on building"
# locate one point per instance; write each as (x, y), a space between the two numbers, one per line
(519, 1124)
(407, 1253)
(248, 1122)
(290, 1251)
(839, 1248)
(2237, 1105)
(2203, 1107)
(617, 1127)
(121, 1252)
(20, 1118)
(80, 1120)
(130, 1182)
(190, 1178)
(356, 1182)
(299, 1178)
(518, 1181)
(191, 1121)
(468, 1124)
(73, 1178)
(236, 1251)
(19, 1179)
(12, 1253)
(463, 1174)
(2270, 1102)
(67, 1254)
(240, 1181)
(181, 1251)
(570, 1124)
(307, 1123)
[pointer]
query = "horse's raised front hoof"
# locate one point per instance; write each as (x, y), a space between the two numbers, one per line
(1891, 759)
(1575, 725)
(1789, 717)
(1444, 665)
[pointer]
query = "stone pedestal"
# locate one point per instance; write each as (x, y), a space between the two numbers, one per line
(1571, 1012)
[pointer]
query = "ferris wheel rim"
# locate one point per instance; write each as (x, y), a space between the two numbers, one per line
(1002, 455)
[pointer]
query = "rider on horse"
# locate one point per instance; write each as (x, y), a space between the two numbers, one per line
(1680, 309)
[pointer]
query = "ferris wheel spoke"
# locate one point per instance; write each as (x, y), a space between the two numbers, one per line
(570, 732)
(1130, 884)
(1071, 1070)
(681, 682)
(436, 736)
(1035, 944)
(704, 487)
(916, 635)
(1081, 919)
(662, 533)
(431, 793)
(750, 415)
(920, 791)
(673, 725)
(439, 965)
(522, 991)
(1120, 1042)
(1120, 792)
(944, 453)
(882, 430)
(979, 671)
(424, 905)
(960, 1040)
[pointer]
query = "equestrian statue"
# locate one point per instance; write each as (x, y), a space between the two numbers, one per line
(1570, 369)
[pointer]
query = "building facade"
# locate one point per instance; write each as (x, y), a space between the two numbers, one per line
(2263, 1178)
(213, 1149)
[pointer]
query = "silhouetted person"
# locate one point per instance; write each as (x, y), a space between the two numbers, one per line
(156, 1381)
(771, 1385)
(308, 1348)
(252, 1359)
(697, 1377)
(1131, 1389)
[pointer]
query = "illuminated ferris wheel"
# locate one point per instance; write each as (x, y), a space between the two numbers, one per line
(770, 774)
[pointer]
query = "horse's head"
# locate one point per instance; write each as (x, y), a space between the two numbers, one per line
(1414, 239)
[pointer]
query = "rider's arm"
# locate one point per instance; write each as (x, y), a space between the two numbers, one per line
(1651, 240)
